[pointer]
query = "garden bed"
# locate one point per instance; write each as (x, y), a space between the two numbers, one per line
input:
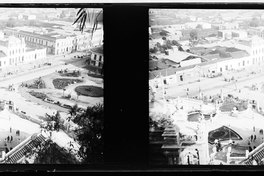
(38, 95)
(71, 74)
(37, 84)
(62, 83)
(95, 75)
(91, 91)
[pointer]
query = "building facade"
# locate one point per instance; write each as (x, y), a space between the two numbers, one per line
(13, 52)
(97, 60)
(56, 43)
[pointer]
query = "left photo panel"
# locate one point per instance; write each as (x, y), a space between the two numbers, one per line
(51, 86)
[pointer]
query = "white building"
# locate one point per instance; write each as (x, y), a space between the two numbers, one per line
(13, 51)
(58, 41)
(97, 60)
(193, 25)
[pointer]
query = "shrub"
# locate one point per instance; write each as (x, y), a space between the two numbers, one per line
(92, 91)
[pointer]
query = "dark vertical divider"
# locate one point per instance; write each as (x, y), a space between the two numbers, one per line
(126, 85)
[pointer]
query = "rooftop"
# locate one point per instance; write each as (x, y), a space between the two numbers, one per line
(99, 50)
(2, 54)
(171, 70)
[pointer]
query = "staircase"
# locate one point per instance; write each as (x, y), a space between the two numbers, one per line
(19, 151)
(257, 154)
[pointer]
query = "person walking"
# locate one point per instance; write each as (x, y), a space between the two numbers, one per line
(8, 138)
(251, 138)
(255, 137)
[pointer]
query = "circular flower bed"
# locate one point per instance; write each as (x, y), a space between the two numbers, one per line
(91, 91)
(61, 83)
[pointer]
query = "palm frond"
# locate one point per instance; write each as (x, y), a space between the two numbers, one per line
(87, 16)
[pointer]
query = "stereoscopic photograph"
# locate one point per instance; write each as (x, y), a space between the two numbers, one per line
(51, 85)
(206, 87)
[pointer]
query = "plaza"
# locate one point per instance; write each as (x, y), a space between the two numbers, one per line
(43, 77)
(206, 93)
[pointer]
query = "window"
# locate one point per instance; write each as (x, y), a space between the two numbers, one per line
(100, 58)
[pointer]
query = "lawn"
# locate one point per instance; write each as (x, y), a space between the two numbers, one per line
(95, 75)
(91, 91)
(61, 83)
(38, 95)
(223, 133)
(71, 74)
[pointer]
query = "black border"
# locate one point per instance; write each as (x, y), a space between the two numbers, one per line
(126, 88)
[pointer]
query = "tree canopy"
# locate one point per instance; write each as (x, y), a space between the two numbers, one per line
(90, 133)
(194, 35)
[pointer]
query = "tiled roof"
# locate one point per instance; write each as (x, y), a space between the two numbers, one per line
(171, 70)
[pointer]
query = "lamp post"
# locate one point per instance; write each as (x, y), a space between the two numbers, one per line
(63, 92)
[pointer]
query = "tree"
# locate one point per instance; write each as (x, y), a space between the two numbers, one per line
(193, 35)
(85, 15)
(50, 153)
(90, 134)
(163, 33)
(180, 48)
(174, 42)
(153, 50)
(40, 83)
(73, 112)
(158, 44)
(254, 22)
(199, 26)
(54, 122)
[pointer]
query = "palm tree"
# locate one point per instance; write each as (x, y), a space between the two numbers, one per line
(90, 16)
(54, 122)
(73, 111)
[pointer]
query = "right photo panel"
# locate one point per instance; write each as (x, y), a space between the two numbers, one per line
(206, 87)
